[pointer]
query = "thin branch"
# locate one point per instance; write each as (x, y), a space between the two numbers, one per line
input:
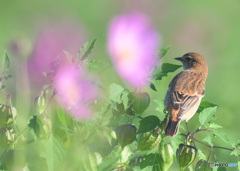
(209, 154)
(199, 129)
(194, 139)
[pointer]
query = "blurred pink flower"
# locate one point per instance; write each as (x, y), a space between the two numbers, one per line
(132, 44)
(52, 40)
(74, 90)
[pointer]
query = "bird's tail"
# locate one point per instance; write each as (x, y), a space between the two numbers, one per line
(172, 128)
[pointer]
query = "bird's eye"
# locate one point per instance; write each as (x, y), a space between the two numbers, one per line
(188, 58)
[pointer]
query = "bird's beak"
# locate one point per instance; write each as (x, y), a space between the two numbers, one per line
(179, 58)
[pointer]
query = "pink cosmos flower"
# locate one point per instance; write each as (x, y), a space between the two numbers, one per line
(74, 91)
(132, 45)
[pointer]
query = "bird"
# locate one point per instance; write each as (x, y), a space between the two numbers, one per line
(185, 91)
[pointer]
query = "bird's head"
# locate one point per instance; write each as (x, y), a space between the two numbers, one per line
(194, 61)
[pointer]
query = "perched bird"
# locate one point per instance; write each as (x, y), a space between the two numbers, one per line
(185, 91)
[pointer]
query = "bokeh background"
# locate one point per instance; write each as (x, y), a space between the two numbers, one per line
(211, 28)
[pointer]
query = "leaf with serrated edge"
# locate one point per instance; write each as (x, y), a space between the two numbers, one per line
(86, 49)
(125, 99)
(115, 92)
(214, 126)
(164, 51)
(207, 115)
(208, 140)
(160, 105)
(201, 155)
(223, 136)
(205, 104)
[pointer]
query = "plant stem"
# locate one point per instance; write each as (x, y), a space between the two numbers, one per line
(194, 139)
(10, 146)
(209, 154)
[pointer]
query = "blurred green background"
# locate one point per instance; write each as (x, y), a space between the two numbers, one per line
(211, 28)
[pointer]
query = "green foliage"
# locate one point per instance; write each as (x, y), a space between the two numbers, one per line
(148, 124)
(94, 65)
(86, 49)
(165, 69)
(207, 114)
(124, 133)
(185, 155)
(203, 165)
(149, 140)
(152, 86)
(141, 102)
(164, 51)
(5, 61)
(167, 155)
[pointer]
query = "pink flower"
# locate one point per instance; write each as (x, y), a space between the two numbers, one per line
(50, 43)
(74, 91)
(132, 45)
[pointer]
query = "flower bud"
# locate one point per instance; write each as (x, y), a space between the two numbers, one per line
(126, 134)
(167, 154)
(203, 165)
(185, 155)
(149, 140)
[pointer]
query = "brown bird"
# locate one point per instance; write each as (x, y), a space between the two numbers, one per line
(185, 91)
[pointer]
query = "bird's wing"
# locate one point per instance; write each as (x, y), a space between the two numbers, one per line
(182, 103)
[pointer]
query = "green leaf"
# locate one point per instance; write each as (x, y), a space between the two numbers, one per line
(204, 105)
(207, 115)
(214, 126)
(115, 92)
(164, 51)
(94, 64)
(148, 124)
(158, 162)
(223, 136)
(201, 155)
(152, 86)
(208, 140)
(54, 152)
(160, 105)
(110, 162)
(221, 169)
(40, 125)
(126, 99)
(165, 69)
(141, 102)
(121, 120)
(4, 115)
(86, 49)
(154, 159)
(235, 153)
(64, 118)
(5, 61)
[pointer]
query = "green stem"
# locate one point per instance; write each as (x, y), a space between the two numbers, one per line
(209, 154)
(10, 146)
(194, 139)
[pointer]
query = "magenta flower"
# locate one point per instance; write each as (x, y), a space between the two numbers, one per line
(50, 43)
(132, 44)
(74, 91)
